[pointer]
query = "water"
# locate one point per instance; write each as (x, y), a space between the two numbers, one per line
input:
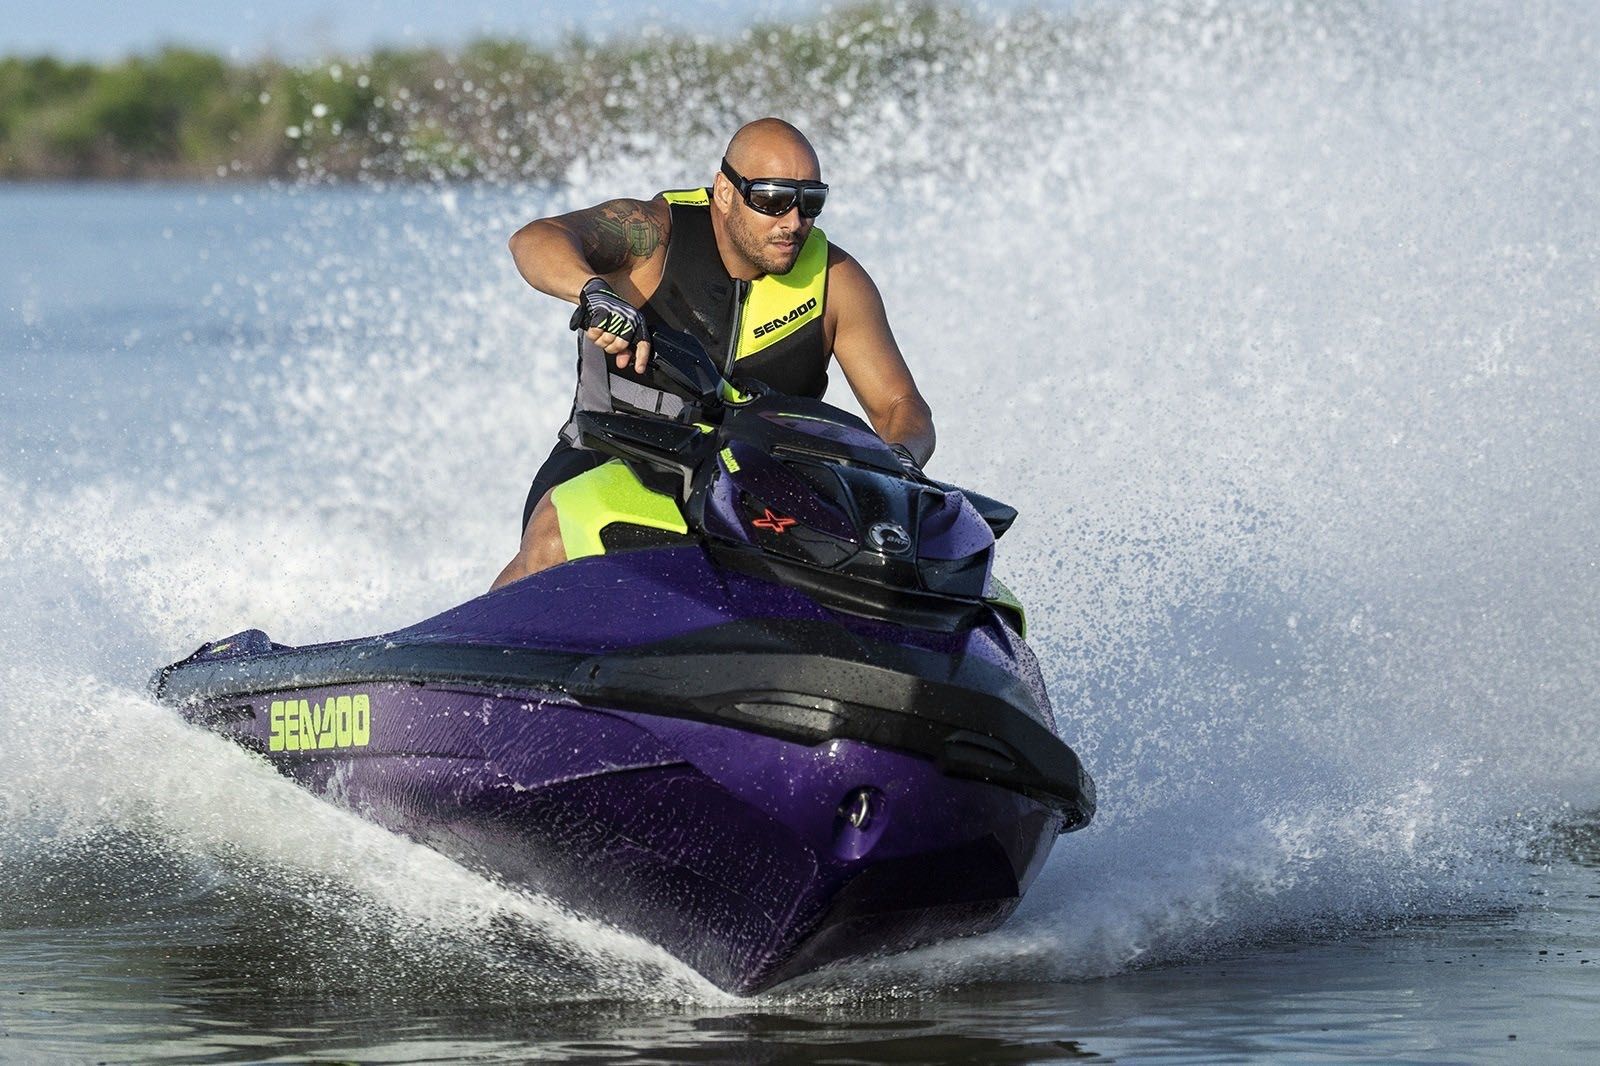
(1278, 325)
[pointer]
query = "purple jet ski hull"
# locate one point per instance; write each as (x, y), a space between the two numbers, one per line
(756, 808)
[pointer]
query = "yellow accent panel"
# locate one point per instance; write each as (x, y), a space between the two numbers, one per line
(693, 197)
(611, 492)
(779, 304)
(729, 461)
(1000, 596)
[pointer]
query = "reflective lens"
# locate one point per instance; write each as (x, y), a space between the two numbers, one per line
(778, 196)
(812, 199)
(771, 199)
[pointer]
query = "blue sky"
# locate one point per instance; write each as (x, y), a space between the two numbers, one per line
(307, 28)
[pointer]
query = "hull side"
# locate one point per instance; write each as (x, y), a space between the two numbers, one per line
(736, 852)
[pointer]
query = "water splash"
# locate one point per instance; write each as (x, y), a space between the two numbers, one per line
(1276, 321)
(181, 825)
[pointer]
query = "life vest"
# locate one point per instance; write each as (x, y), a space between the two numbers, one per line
(769, 330)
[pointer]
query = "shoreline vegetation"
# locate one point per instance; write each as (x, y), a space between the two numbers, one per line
(493, 109)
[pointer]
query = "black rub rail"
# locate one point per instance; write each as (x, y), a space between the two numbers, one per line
(973, 719)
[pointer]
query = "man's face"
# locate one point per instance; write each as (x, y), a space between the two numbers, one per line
(771, 244)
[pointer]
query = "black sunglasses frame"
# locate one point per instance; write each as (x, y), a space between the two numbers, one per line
(799, 188)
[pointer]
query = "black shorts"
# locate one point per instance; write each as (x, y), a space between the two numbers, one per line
(564, 464)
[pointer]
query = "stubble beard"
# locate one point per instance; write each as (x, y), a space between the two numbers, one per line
(764, 256)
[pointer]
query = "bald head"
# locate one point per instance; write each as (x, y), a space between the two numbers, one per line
(756, 242)
(771, 148)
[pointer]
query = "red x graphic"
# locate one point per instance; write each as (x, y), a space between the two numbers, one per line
(776, 523)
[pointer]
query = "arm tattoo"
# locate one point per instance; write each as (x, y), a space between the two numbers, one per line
(615, 232)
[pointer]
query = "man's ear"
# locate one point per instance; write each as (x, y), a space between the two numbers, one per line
(722, 193)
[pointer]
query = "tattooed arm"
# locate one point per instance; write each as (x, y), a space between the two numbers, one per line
(623, 241)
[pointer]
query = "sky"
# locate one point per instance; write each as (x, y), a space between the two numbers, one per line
(294, 29)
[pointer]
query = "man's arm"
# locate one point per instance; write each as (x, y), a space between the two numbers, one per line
(619, 241)
(557, 255)
(871, 360)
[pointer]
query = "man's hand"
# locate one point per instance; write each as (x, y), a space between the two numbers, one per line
(907, 460)
(613, 324)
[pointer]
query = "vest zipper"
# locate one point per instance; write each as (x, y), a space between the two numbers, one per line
(740, 289)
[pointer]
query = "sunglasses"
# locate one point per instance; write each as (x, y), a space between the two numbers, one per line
(777, 196)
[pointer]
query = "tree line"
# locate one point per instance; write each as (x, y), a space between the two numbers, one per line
(505, 109)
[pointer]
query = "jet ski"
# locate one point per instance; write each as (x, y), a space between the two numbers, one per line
(775, 711)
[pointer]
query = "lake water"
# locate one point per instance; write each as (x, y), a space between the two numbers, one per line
(1282, 341)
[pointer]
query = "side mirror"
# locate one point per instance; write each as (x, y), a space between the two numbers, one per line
(680, 362)
(997, 515)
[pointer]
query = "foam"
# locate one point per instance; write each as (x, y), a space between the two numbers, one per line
(1277, 324)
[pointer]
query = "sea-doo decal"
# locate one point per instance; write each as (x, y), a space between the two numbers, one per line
(340, 722)
(767, 327)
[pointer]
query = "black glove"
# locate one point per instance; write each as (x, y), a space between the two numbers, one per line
(907, 460)
(600, 308)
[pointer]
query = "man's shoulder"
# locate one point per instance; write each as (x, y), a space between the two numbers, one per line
(853, 296)
(846, 275)
(622, 233)
(687, 197)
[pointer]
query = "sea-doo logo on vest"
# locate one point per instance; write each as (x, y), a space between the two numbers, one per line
(341, 722)
(804, 309)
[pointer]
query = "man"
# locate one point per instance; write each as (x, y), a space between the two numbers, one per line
(743, 268)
